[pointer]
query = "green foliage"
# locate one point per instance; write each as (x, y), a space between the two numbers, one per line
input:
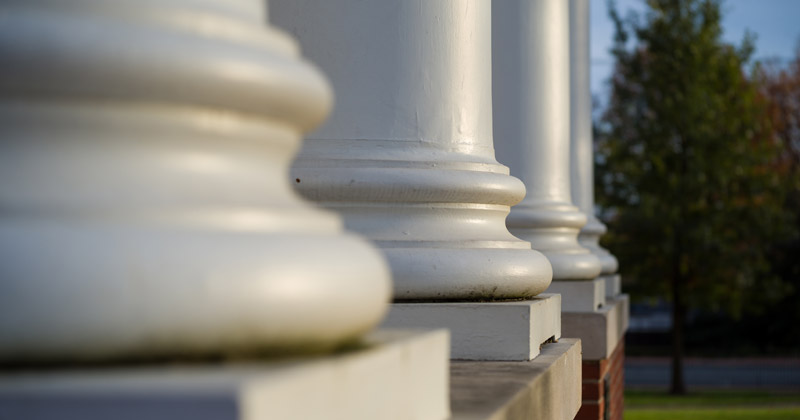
(685, 161)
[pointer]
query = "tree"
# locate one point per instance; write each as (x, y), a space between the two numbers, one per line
(780, 85)
(685, 157)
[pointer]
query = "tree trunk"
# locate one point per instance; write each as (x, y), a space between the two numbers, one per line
(679, 278)
(677, 383)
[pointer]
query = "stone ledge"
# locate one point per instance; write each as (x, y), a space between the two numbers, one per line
(509, 330)
(599, 331)
(545, 388)
(401, 375)
(613, 285)
(580, 295)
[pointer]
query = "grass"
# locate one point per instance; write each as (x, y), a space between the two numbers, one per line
(712, 405)
(715, 414)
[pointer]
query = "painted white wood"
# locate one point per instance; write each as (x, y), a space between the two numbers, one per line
(531, 82)
(581, 134)
(407, 156)
(144, 154)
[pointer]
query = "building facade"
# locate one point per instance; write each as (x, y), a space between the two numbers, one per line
(302, 209)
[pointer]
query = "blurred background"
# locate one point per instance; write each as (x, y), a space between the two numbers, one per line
(697, 145)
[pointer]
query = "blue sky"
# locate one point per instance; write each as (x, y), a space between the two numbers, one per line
(776, 24)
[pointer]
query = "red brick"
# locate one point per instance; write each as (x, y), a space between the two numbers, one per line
(604, 378)
(594, 369)
(590, 412)
(592, 391)
(616, 383)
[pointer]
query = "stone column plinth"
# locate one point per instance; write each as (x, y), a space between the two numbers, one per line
(531, 77)
(407, 156)
(581, 134)
(395, 376)
(147, 211)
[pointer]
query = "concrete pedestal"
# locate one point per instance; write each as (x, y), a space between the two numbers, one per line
(580, 295)
(511, 330)
(397, 375)
(613, 285)
(602, 334)
(546, 388)
(601, 330)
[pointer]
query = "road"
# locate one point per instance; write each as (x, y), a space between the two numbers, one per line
(716, 373)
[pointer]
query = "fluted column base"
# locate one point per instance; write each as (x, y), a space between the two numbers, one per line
(437, 215)
(146, 209)
(552, 229)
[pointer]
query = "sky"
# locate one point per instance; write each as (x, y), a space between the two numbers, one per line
(776, 24)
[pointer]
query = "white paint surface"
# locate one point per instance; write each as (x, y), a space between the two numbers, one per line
(401, 375)
(613, 285)
(531, 81)
(601, 331)
(407, 158)
(582, 147)
(512, 330)
(580, 295)
(143, 180)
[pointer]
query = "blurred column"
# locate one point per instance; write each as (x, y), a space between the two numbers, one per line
(146, 208)
(602, 331)
(582, 144)
(531, 81)
(407, 156)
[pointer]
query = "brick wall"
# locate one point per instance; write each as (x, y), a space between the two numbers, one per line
(604, 387)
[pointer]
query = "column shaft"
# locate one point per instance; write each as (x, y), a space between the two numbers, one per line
(531, 79)
(407, 157)
(581, 133)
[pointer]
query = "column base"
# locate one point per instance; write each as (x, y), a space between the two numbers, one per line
(509, 330)
(546, 388)
(613, 285)
(599, 331)
(396, 375)
(580, 295)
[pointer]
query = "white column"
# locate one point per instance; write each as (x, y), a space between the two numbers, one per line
(531, 81)
(581, 134)
(407, 157)
(146, 209)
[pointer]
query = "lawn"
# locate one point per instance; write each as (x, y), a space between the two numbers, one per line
(712, 405)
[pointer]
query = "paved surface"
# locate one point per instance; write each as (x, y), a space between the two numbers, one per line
(713, 373)
(548, 385)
